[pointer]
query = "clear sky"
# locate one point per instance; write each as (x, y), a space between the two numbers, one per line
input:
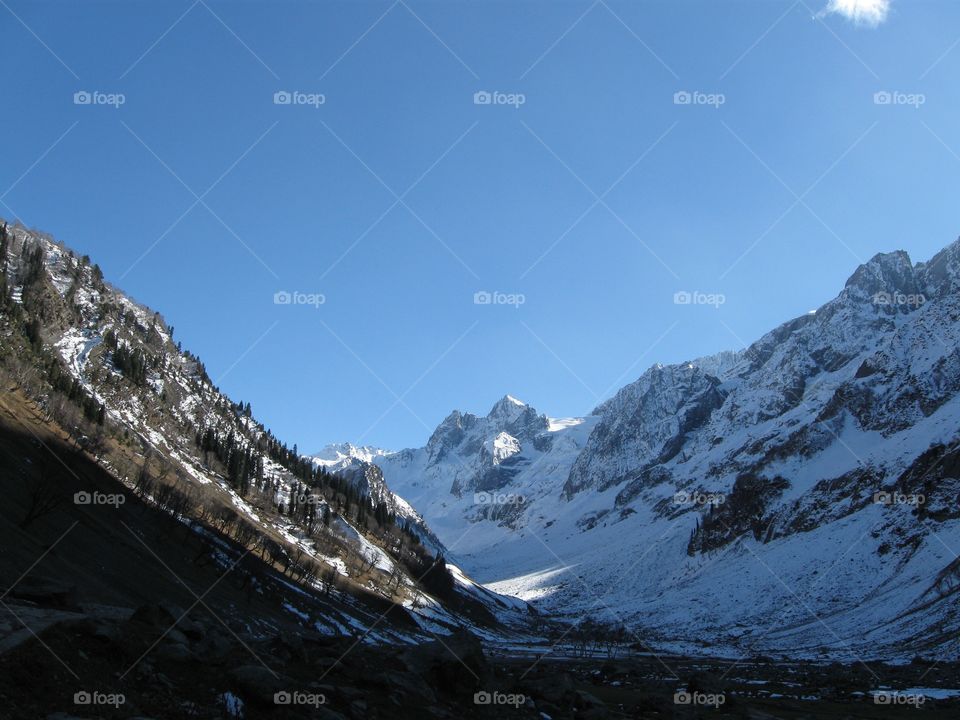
(584, 188)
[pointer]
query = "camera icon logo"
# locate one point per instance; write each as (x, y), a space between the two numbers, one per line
(482, 297)
(282, 97)
(82, 498)
(482, 698)
(882, 98)
(282, 698)
(82, 698)
(682, 298)
(682, 698)
(682, 97)
(82, 97)
(482, 97)
(282, 297)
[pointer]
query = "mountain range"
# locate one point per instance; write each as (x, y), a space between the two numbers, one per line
(799, 496)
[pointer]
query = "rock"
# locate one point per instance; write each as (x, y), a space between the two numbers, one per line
(173, 652)
(175, 637)
(585, 701)
(288, 647)
(553, 688)
(412, 689)
(213, 649)
(45, 592)
(159, 616)
(192, 629)
(454, 664)
(105, 631)
(258, 684)
(164, 681)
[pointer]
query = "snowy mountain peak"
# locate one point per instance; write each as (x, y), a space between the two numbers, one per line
(941, 275)
(336, 453)
(502, 447)
(508, 407)
(884, 276)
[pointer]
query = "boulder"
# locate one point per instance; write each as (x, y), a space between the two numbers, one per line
(454, 664)
(258, 684)
(156, 616)
(214, 649)
(173, 652)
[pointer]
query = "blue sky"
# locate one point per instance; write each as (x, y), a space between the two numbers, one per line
(587, 189)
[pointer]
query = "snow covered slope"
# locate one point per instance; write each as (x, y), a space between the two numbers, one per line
(109, 372)
(797, 495)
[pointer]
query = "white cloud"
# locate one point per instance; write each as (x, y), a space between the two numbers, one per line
(861, 12)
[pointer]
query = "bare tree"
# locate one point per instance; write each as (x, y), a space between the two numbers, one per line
(368, 562)
(97, 444)
(330, 578)
(395, 579)
(44, 495)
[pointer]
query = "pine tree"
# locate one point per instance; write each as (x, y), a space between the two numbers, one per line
(4, 247)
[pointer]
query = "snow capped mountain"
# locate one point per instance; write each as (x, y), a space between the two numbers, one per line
(801, 494)
(644, 424)
(337, 454)
(797, 494)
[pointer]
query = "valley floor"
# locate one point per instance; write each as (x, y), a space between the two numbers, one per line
(215, 679)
